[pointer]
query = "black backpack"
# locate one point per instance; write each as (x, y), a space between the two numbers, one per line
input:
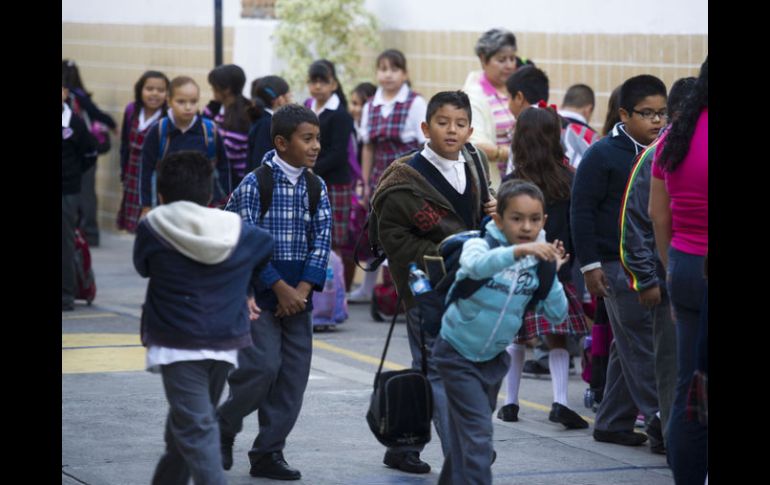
(443, 272)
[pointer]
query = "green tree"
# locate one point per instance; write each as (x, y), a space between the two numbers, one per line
(337, 30)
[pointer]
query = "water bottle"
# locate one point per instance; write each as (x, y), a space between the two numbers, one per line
(418, 281)
(329, 285)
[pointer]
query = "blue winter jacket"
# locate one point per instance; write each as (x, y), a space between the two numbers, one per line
(483, 325)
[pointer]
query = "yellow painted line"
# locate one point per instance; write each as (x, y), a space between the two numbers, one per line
(89, 315)
(356, 355)
(102, 357)
(393, 366)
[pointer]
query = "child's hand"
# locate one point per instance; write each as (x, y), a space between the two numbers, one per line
(490, 207)
(561, 255)
(290, 301)
(541, 250)
(144, 212)
(254, 310)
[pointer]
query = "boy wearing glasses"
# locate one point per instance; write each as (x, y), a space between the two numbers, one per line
(598, 190)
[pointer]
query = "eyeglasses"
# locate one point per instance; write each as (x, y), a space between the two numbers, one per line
(649, 114)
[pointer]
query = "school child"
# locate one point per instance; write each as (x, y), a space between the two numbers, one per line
(599, 186)
(267, 94)
(360, 95)
(149, 105)
(200, 262)
(272, 374)
(390, 125)
(540, 160)
(181, 129)
(527, 86)
(233, 114)
(644, 269)
(420, 200)
(470, 351)
(613, 115)
(99, 124)
(329, 104)
(576, 110)
(78, 154)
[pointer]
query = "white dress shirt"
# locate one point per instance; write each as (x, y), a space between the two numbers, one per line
(452, 170)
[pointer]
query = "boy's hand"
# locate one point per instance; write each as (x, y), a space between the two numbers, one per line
(597, 283)
(490, 207)
(290, 301)
(650, 297)
(541, 250)
(254, 310)
(561, 254)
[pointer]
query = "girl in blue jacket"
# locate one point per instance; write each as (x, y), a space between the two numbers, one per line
(470, 351)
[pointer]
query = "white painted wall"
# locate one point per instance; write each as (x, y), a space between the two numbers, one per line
(563, 16)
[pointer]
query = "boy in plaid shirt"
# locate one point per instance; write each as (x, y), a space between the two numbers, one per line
(272, 374)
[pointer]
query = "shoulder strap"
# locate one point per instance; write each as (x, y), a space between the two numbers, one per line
(483, 183)
(387, 343)
(209, 137)
(313, 192)
(467, 286)
(163, 137)
(546, 273)
(265, 183)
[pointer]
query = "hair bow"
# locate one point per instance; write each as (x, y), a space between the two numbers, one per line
(543, 104)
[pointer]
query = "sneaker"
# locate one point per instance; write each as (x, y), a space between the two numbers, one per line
(358, 296)
(407, 461)
(535, 367)
(226, 448)
(640, 421)
(626, 438)
(509, 413)
(655, 434)
(564, 415)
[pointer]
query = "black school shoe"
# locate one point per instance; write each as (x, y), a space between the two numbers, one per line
(272, 465)
(535, 367)
(564, 415)
(226, 448)
(627, 438)
(509, 413)
(407, 461)
(655, 434)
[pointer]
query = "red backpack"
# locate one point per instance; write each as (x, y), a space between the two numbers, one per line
(85, 284)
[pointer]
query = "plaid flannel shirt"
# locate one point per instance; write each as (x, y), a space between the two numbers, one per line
(287, 220)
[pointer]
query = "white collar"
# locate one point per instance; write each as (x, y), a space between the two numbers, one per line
(331, 104)
(171, 117)
(565, 113)
(66, 115)
(434, 157)
(268, 110)
(403, 93)
(292, 173)
(144, 123)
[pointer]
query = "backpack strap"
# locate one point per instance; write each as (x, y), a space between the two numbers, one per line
(264, 176)
(483, 182)
(163, 137)
(209, 138)
(467, 286)
(313, 192)
(546, 273)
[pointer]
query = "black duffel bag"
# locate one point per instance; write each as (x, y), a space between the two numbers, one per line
(401, 407)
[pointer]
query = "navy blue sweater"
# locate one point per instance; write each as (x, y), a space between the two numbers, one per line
(192, 139)
(332, 164)
(259, 141)
(191, 305)
(78, 154)
(597, 193)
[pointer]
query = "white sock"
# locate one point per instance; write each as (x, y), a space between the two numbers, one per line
(558, 362)
(367, 286)
(513, 377)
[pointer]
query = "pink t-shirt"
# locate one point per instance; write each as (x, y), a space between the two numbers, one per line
(688, 189)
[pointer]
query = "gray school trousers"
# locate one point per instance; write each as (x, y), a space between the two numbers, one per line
(440, 412)
(630, 384)
(664, 345)
(271, 376)
(193, 389)
(471, 392)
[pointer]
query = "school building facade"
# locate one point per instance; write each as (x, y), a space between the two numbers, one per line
(597, 42)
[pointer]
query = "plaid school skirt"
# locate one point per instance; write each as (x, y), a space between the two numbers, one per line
(536, 325)
(339, 198)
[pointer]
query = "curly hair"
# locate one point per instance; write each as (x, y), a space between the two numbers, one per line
(677, 142)
(538, 154)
